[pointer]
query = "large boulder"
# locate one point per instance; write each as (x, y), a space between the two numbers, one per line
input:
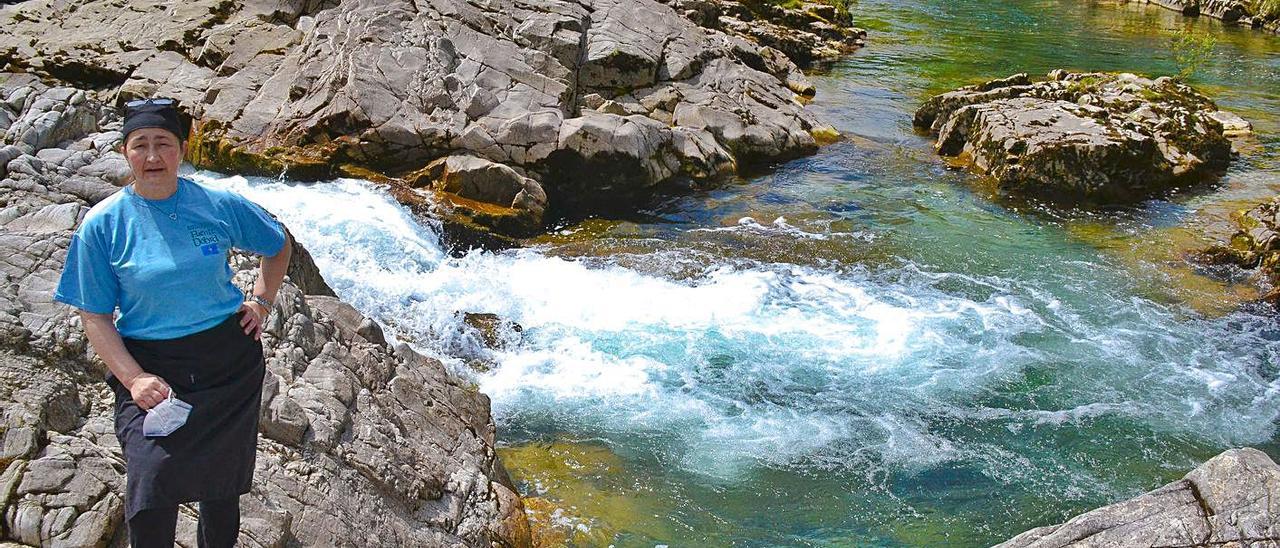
(314, 88)
(1231, 500)
(362, 442)
(1082, 137)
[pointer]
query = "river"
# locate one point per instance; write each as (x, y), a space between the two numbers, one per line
(862, 347)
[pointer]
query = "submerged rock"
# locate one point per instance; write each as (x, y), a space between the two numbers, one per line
(362, 443)
(592, 100)
(1083, 137)
(1254, 245)
(1231, 500)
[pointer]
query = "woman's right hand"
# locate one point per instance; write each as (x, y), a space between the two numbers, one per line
(148, 390)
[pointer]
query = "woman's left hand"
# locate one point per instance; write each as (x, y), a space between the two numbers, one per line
(251, 321)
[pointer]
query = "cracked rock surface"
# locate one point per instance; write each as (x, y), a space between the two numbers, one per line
(1232, 499)
(1083, 137)
(318, 88)
(361, 443)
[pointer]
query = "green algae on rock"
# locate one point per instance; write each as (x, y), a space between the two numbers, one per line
(1258, 14)
(574, 494)
(1083, 138)
(1255, 245)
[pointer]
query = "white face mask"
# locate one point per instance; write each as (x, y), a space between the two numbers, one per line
(163, 419)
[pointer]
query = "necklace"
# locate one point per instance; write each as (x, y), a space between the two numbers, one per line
(176, 204)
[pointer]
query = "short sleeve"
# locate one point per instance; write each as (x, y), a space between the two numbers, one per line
(88, 281)
(252, 228)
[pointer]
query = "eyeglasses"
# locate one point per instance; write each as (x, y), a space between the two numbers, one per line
(158, 101)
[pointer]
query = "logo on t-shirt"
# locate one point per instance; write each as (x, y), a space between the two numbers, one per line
(205, 238)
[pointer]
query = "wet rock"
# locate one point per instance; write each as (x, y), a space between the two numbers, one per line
(1232, 12)
(484, 334)
(1231, 500)
(493, 329)
(517, 203)
(1254, 245)
(1082, 137)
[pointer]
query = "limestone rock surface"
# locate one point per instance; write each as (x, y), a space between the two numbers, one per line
(1082, 137)
(315, 88)
(1231, 500)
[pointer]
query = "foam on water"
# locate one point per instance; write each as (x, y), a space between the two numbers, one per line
(783, 366)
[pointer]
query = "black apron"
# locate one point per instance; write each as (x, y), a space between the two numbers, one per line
(219, 371)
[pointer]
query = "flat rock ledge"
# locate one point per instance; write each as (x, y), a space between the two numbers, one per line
(1083, 138)
(1233, 500)
(362, 443)
(1231, 12)
(594, 101)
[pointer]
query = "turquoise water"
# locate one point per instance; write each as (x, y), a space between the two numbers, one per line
(862, 347)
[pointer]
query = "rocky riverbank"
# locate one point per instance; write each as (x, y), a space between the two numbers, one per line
(1231, 500)
(547, 108)
(362, 443)
(1084, 138)
(1245, 13)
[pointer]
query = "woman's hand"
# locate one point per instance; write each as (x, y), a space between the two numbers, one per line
(251, 321)
(148, 390)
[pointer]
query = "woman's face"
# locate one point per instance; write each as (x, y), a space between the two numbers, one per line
(154, 155)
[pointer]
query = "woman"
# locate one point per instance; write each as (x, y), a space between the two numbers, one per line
(186, 364)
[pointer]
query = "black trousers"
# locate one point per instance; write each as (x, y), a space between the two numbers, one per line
(156, 527)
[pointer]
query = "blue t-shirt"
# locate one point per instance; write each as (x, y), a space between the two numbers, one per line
(163, 263)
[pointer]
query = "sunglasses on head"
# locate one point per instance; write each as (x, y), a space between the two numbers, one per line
(159, 102)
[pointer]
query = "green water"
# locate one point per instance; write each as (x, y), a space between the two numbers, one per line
(1098, 364)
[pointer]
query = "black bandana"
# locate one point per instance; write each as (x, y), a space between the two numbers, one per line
(158, 116)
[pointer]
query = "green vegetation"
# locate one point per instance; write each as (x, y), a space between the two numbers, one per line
(1269, 9)
(1192, 49)
(843, 13)
(1088, 84)
(846, 16)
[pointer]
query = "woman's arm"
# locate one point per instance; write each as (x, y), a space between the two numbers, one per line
(146, 389)
(270, 275)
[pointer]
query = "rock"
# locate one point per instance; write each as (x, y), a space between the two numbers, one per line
(484, 334)
(519, 202)
(777, 64)
(1254, 245)
(1082, 137)
(1232, 12)
(362, 443)
(51, 117)
(1230, 500)
(111, 167)
(7, 154)
(313, 89)
(1233, 126)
